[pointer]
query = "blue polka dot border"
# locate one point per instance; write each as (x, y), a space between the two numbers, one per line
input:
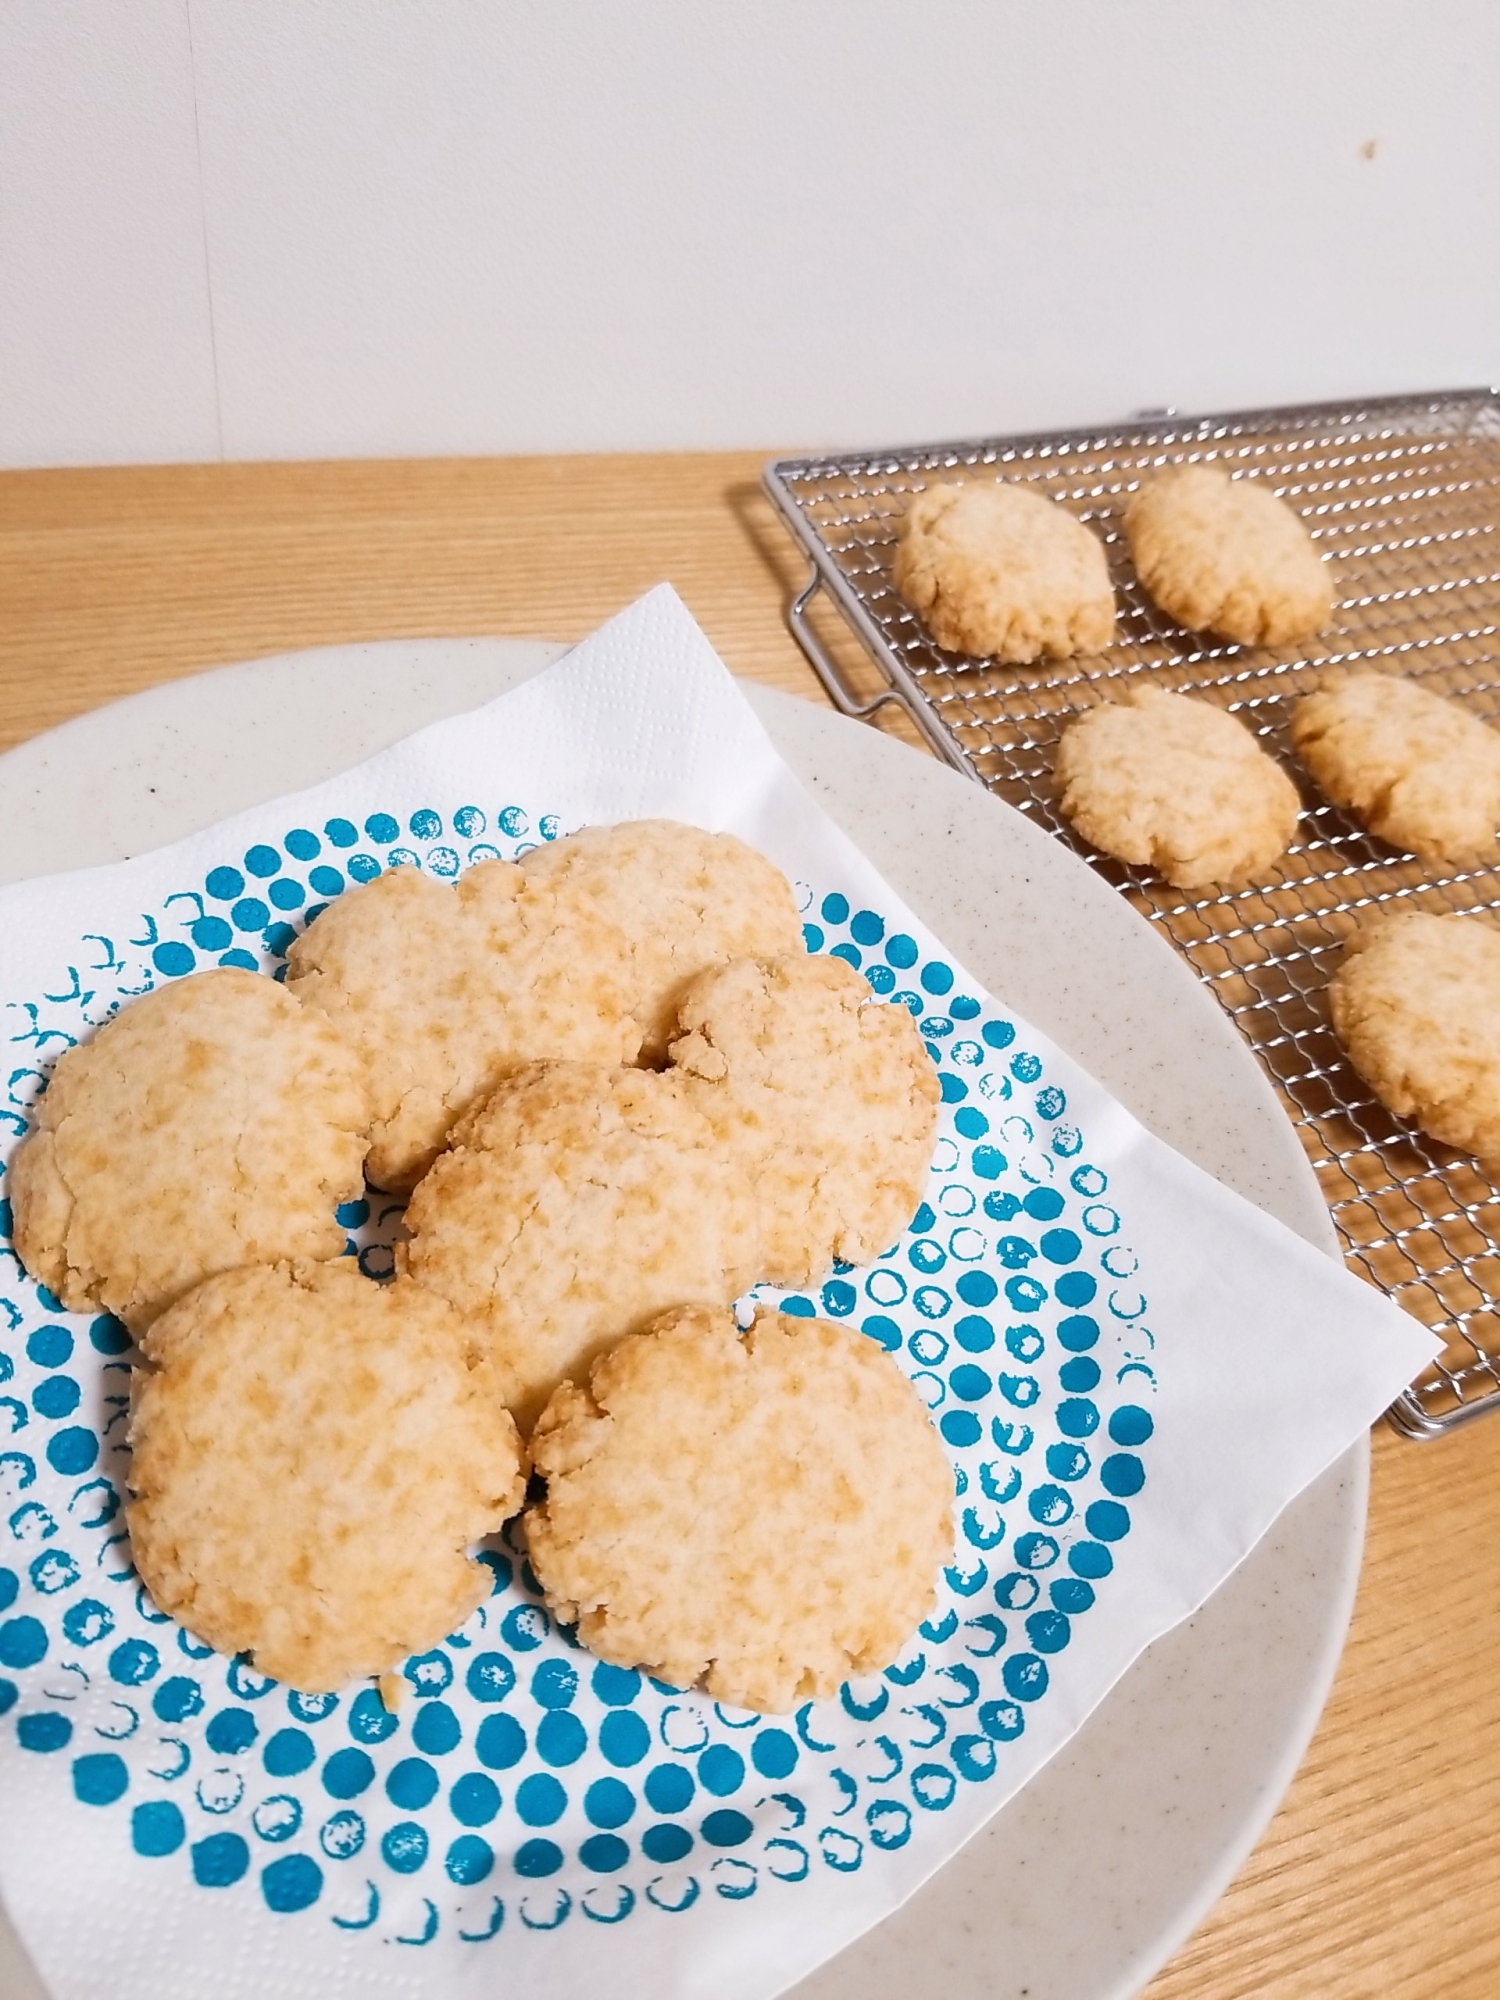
(524, 1782)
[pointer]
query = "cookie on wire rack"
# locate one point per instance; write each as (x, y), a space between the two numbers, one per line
(997, 569)
(312, 1456)
(212, 1122)
(1416, 1004)
(1228, 556)
(1416, 768)
(765, 1511)
(1168, 782)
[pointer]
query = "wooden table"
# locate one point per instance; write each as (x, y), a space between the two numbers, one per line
(1378, 1874)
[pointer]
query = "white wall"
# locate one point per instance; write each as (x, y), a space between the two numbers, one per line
(265, 228)
(106, 350)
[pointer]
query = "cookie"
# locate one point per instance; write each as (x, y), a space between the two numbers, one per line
(822, 1096)
(1420, 771)
(1416, 1004)
(575, 1204)
(997, 569)
(683, 899)
(763, 1511)
(443, 987)
(210, 1123)
(1226, 555)
(1166, 782)
(312, 1455)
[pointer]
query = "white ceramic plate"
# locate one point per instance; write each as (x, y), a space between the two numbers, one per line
(1089, 1879)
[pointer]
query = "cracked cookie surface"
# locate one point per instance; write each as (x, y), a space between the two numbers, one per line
(766, 1511)
(823, 1097)
(312, 1455)
(997, 569)
(575, 1203)
(683, 899)
(212, 1122)
(1228, 556)
(443, 988)
(1416, 1004)
(1417, 769)
(1167, 782)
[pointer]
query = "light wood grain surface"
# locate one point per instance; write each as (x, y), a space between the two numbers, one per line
(1379, 1873)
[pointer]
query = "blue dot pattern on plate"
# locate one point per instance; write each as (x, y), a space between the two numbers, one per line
(525, 1782)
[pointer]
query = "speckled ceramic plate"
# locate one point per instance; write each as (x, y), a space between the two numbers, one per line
(1088, 1880)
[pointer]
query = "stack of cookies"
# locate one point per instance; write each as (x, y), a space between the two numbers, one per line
(618, 1093)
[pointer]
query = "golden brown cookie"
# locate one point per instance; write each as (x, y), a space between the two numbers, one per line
(1416, 1003)
(823, 1097)
(210, 1123)
(575, 1204)
(1420, 771)
(312, 1455)
(443, 988)
(1163, 781)
(997, 569)
(1226, 555)
(684, 901)
(765, 1511)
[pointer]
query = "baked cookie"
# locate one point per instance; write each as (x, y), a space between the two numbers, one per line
(684, 900)
(212, 1122)
(312, 1455)
(442, 988)
(765, 1511)
(823, 1097)
(1420, 771)
(575, 1204)
(998, 569)
(1226, 555)
(1416, 1003)
(1166, 782)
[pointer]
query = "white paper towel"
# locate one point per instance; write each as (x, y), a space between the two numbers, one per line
(1102, 1334)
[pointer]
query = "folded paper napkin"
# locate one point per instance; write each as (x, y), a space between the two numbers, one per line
(1100, 1331)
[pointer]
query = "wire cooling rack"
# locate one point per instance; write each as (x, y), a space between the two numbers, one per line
(1403, 495)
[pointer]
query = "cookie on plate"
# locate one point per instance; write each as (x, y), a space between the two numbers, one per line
(312, 1455)
(1228, 556)
(443, 987)
(997, 569)
(1416, 1003)
(212, 1122)
(824, 1098)
(576, 1203)
(1163, 781)
(1420, 771)
(766, 1511)
(683, 899)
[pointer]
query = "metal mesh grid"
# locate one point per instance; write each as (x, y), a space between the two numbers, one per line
(1404, 496)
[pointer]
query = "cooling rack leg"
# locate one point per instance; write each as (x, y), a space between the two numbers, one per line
(1408, 1419)
(823, 664)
